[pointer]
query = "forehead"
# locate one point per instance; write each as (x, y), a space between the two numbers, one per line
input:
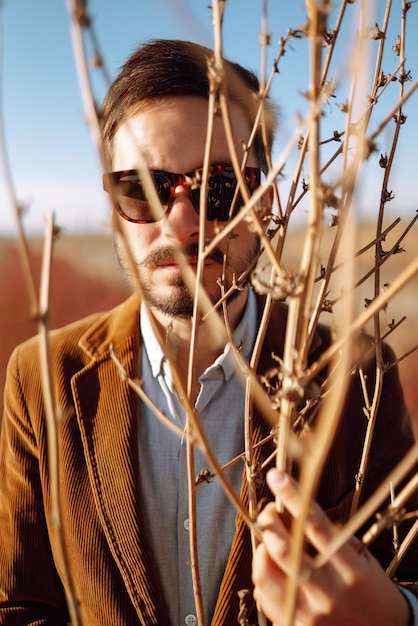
(171, 134)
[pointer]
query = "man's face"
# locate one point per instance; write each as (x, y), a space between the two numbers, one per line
(171, 136)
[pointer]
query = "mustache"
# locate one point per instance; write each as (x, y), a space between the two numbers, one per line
(168, 254)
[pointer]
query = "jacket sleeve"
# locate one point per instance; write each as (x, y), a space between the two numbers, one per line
(392, 438)
(30, 588)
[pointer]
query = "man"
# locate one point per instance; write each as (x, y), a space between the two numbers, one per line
(124, 497)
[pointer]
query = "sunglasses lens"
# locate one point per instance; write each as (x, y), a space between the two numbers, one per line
(221, 188)
(130, 195)
(163, 184)
(132, 202)
(222, 201)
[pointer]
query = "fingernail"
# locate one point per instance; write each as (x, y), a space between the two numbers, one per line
(276, 478)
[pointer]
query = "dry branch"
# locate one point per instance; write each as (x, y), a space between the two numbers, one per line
(305, 292)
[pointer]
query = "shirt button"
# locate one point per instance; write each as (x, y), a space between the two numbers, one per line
(186, 525)
(190, 620)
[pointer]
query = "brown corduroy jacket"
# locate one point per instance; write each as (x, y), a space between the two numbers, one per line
(108, 554)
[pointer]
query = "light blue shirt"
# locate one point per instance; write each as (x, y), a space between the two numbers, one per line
(413, 603)
(163, 465)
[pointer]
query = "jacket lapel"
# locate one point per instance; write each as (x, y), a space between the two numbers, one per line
(107, 411)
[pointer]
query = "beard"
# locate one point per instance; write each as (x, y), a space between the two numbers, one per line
(180, 302)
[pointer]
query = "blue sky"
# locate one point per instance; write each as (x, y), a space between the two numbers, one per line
(52, 157)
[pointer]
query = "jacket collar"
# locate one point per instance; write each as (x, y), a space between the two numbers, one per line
(123, 321)
(112, 328)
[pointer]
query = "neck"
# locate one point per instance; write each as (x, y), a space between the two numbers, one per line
(207, 339)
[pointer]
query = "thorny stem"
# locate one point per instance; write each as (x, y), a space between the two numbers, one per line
(136, 385)
(378, 344)
(40, 311)
(376, 305)
(53, 421)
(194, 553)
(249, 451)
(392, 513)
(402, 357)
(191, 381)
(346, 193)
(378, 256)
(364, 249)
(349, 174)
(194, 430)
(223, 100)
(77, 23)
(299, 303)
(304, 147)
(383, 259)
(393, 112)
(403, 548)
(368, 509)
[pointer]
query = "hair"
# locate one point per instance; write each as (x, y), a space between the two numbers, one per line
(165, 68)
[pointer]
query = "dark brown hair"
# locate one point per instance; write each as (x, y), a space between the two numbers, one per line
(163, 68)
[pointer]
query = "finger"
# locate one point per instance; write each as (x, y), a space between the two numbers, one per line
(277, 540)
(275, 535)
(269, 584)
(318, 529)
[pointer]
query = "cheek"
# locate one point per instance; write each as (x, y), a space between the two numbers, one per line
(138, 237)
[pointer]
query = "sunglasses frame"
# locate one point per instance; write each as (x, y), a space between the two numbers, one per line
(218, 204)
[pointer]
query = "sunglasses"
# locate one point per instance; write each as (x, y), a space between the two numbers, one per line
(222, 199)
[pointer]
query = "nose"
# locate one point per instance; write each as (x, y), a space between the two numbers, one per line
(182, 217)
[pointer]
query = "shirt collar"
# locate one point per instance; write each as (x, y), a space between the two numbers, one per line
(244, 337)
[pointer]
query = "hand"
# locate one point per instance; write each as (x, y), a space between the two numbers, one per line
(351, 589)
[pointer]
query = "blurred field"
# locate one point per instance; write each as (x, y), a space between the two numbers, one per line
(86, 278)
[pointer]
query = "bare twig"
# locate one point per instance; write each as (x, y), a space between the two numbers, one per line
(53, 420)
